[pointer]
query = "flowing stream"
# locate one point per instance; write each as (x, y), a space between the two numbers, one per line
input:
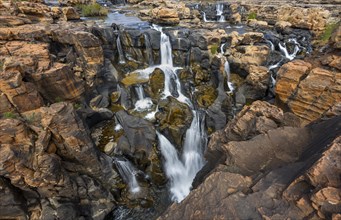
(220, 11)
(120, 50)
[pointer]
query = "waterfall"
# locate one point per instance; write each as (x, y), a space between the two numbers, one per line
(142, 103)
(228, 75)
(128, 173)
(220, 11)
(168, 68)
(120, 50)
(149, 49)
(285, 51)
(182, 172)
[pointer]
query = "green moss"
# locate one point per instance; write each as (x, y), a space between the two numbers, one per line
(92, 10)
(1, 65)
(9, 115)
(58, 99)
(77, 106)
(214, 49)
(252, 15)
(328, 31)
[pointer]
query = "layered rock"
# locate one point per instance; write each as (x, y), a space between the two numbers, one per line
(308, 92)
(54, 165)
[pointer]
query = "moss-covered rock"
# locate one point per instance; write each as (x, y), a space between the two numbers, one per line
(205, 95)
(156, 83)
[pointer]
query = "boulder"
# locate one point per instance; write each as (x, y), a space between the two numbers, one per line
(167, 16)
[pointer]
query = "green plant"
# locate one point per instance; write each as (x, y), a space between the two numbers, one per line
(9, 115)
(328, 31)
(92, 10)
(252, 15)
(58, 99)
(31, 118)
(77, 106)
(214, 49)
(1, 65)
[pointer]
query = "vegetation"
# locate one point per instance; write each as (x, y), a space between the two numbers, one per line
(77, 106)
(1, 65)
(9, 115)
(252, 15)
(93, 10)
(328, 31)
(58, 99)
(214, 49)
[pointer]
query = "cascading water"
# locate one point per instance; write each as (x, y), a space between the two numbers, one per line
(285, 51)
(222, 48)
(182, 172)
(272, 46)
(228, 75)
(120, 50)
(149, 49)
(168, 68)
(220, 11)
(128, 173)
(204, 16)
(142, 103)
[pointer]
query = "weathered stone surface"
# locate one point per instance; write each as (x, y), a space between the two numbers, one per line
(165, 16)
(306, 18)
(308, 92)
(55, 164)
(70, 13)
(336, 38)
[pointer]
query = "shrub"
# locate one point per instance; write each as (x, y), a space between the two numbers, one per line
(93, 10)
(9, 115)
(252, 15)
(328, 31)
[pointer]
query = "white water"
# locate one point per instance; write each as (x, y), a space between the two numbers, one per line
(222, 48)
(118, 127)
(181, 172)
(285, 51)
(228, 76)
(220, 10)
(168, 68)
(204, 16)
(142, 103)
(272, 46)
(149, 49)
(128, 173)
(120, 50)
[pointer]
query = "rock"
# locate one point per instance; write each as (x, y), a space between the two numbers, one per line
(283, 24)
(256, 23)
(308, 92)
(252, 38)
(156, 83)
(336, 38)
(174, 118)
(70, 13)
(22, 95)
(99, 102)
(165, 16)
(256, 83)
(59, 83)
(56, 163)
(314, 19)
(10, 21)
(274, 192)
(109, 147)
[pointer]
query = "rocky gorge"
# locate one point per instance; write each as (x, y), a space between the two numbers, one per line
(170, 110)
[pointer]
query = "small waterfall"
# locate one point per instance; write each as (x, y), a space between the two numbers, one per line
(149, 49)
(204, 16)
(228, 75)
(220, 11)
(128, 173)
(120, 50)
(182, 172)
(142, 103)
(285, 51)
(222, 48)
(272, 46)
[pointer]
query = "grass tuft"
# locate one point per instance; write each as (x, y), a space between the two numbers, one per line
(328, 31)
(93, 10)
(9, 115)
(252, 15)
